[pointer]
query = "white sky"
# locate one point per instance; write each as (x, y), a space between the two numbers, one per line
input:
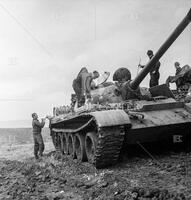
(44, 44)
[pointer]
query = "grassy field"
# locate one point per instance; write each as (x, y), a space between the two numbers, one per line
(10, 136)
(17, 143)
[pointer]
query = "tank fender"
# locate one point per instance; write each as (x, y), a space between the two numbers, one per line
(112, 118)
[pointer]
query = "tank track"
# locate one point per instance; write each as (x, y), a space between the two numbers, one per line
(56, 141)
(109, 145)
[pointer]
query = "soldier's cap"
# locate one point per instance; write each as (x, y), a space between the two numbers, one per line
(149, 52)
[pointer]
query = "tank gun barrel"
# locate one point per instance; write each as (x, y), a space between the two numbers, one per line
(178, 30)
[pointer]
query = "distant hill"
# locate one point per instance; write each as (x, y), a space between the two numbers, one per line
(20, 135)
(16, 124)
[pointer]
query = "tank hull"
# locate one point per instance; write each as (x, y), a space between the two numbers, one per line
(150, 121)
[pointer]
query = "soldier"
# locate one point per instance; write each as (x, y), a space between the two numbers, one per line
(122, 78)
(170, 78)
(122, 75)
(82, 84)
(154, 73)
(182, 77)
(87, 82)
(177, 67)
(77, 85)
(38, 140)
(178, 70)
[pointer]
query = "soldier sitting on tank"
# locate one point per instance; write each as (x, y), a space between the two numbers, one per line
(170, 78)
(82, 85)
(154, 73)
(182, 77)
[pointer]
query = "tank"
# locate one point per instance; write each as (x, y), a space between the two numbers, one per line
(121, 114)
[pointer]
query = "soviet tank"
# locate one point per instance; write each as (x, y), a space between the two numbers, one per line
(123, 113)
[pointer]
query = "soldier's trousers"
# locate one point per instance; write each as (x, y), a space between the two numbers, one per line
(38, 145)
(154, 81)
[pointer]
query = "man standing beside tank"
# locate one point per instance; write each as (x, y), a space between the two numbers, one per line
(38, 140)
(154, 73)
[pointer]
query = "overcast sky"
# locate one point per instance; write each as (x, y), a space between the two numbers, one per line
(44, 44)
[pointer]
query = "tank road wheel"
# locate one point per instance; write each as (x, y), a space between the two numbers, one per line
(58, 135)
(58, 144)
(79, 142)
(65, 143)
(71, 147)
(53, 135)
(90, 146)
(61, 143)
(56, 141)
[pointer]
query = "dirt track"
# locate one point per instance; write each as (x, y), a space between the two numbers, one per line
(167, 177)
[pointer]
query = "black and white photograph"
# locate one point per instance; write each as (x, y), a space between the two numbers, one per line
(95, 100)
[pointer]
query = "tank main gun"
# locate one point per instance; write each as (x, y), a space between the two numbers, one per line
(148, 67)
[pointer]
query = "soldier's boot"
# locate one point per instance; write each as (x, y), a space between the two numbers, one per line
(41, 149)
(36, 149)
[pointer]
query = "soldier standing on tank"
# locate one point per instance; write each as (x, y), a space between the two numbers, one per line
(154, 73)
(38, 140)
(82, 85)
(77, 86)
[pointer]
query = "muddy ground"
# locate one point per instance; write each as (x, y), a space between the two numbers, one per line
(165, 176)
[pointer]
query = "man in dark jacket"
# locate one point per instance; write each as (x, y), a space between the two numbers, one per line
(154, 73)
(38, 140)
(82, 85)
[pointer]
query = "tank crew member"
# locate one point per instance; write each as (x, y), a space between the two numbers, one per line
(122, 78)
(82, 84)
(122, 75)
(38, 140)
(87, 82)
(170, 78)
(154, 73)
(77, 86)
(177, 67)
(182, 77)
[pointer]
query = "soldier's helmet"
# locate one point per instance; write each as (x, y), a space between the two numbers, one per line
(122, 75)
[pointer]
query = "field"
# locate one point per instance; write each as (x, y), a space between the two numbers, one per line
(165, 176)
